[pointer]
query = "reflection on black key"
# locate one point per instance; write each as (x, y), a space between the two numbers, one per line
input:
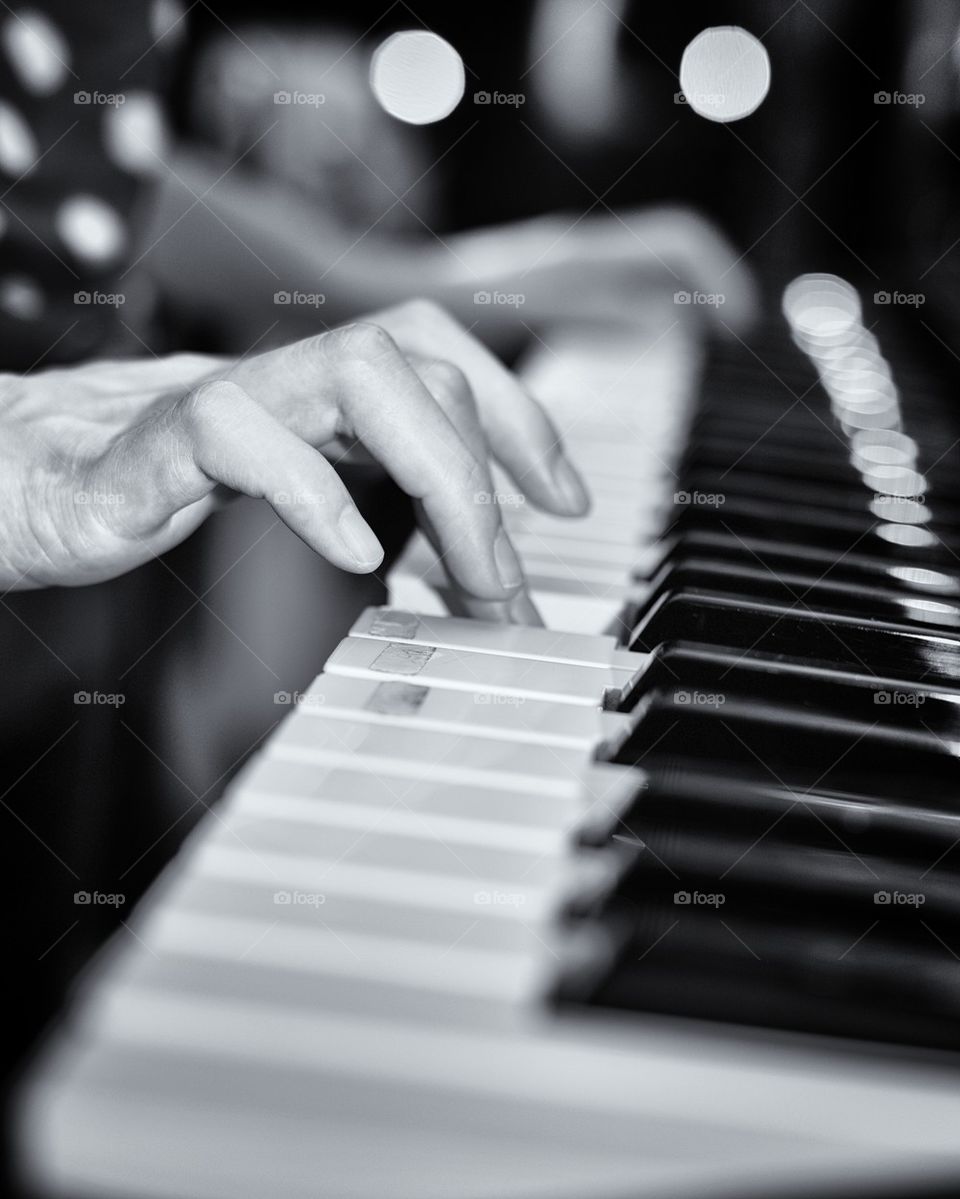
(880, 972)
(822, 594)
(741, 810)
(892, 651)
(791, 746)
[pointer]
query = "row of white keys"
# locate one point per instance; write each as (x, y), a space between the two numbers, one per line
(386, 829)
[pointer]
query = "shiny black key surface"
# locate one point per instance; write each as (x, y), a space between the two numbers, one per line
(889, 650)
(795, 846)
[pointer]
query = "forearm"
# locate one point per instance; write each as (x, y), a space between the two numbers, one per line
(225, 257)
(225, 244)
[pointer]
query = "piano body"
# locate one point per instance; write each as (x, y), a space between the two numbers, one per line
(658, 901)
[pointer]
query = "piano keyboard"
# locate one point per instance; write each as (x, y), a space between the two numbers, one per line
(435, 938)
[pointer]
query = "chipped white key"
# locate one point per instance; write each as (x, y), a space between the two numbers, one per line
(517, 641)
(467, 670)
(478, 713)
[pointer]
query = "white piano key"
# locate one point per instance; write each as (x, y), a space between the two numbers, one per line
(419, 583)
(599, 785)
(562, 607)
(453, 757)
(618, 526)
(585, 604)
(349, 791)
(475, 826)
(262, 906)
(403, 820)
(576, 649)
(330, 845)
(580, 549)
(468, 670)
(507, 977)
(450, 892)
(410, 589)
(478, 713)
(288, 974)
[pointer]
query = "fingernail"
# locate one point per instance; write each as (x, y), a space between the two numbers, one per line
(570, 487)
(522, 610)
(358, 538)
(508, 564)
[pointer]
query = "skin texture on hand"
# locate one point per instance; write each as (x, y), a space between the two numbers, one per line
(107, 465)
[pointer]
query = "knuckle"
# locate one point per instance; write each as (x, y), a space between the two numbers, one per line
(361, 339)
(422, 311)
(210, 404)
(448, 379)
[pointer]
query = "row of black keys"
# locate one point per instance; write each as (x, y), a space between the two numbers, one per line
(795, 849)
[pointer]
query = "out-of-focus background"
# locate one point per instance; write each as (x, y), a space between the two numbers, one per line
(850, 165)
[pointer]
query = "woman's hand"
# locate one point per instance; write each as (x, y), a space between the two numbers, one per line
(106, 465)
(638, 267)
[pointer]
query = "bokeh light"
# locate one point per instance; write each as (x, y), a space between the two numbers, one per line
(725, 73)
(417, 77)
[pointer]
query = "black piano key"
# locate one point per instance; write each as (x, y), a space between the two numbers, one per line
(834, 694)
(840, 493)
(892, 651)
(881, 974)
(790, 746)
(809, 591)
(778, 556)
(842, 532)
(734, 806)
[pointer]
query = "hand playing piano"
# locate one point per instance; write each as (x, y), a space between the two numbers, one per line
(635, 268)
(106, 465)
